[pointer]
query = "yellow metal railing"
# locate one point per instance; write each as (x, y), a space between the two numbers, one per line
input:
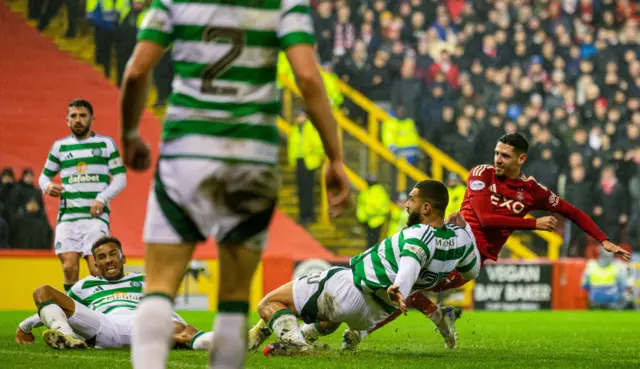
(637, 286)
(405, 169)
(439, 162)
(345, 125)
(357, 181)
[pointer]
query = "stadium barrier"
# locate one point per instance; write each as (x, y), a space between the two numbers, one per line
(505, 286)
(27, 270)
(535, 285)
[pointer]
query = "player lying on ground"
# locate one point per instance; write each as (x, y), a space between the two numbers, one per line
(99, 311)
(497, 199)
(376, 282)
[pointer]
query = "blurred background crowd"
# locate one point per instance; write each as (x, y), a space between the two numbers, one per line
(566, 73)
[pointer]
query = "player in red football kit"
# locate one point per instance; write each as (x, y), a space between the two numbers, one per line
(497, 199)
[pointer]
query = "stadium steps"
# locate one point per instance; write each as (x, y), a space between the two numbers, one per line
(343, 240)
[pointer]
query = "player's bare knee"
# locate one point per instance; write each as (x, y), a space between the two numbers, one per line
(71, 270)
(262, 306)
(43, 293)
(273, 302)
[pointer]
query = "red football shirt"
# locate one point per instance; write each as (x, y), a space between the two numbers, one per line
(495, 206)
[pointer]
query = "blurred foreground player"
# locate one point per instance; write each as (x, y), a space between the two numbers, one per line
(217, 172)
(497, 199)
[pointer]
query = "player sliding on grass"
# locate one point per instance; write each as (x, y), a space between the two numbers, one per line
(417, 257)
(99, 311)
(496, 201)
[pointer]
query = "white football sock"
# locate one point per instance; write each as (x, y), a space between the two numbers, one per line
(285, 326)
(202, 341)
(53, 317)
(230, 341)
(152, 332)
(310, 332)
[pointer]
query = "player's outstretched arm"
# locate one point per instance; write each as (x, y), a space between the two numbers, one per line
(408, 271)
(413, 257)
(547, 200)
(582, 220)
(303, 63)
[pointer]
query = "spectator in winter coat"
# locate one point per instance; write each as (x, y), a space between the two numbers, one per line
(444, 65)
(4, 233)
(610, 207)
(379, 86)
(7, 180)
(30, 228)
(460, 143)
(344, 32)
(24, 190)
(406, 89)
(324, 24)
(633, 227)
(578, 191)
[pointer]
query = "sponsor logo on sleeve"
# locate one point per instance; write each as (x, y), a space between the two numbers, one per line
(117, 162)
(554, 200)
(418, 251)
(476, 185)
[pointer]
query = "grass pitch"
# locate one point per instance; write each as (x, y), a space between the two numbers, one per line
(486, 340)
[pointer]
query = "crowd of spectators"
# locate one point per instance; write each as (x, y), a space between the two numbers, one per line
(23, 221)
(566, 73)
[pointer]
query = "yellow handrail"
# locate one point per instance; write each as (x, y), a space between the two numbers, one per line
(439, 160)
(376, 148)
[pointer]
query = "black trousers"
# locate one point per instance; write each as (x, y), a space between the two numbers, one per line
(305, 179)
(51, 10)
(575, 239)
(373, 235)
(123, 38)
(34, 9)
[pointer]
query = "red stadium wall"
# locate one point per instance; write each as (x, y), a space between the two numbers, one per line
(37, 81)
(567, 293)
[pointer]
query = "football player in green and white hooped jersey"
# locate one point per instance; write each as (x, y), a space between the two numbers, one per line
(416, 258)
(92, 174)
(217, 170)
(99, 311)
